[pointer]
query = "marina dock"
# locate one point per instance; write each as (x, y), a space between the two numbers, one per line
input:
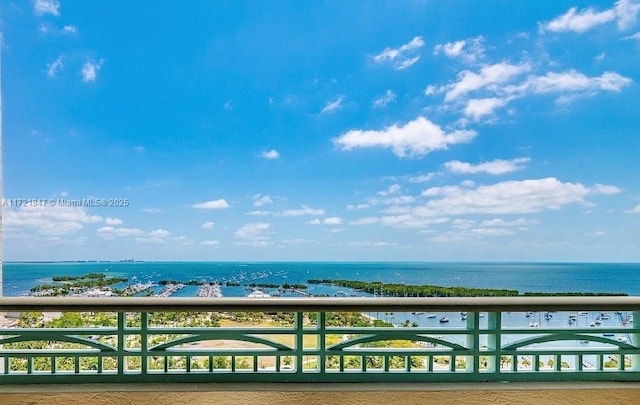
(210, 291)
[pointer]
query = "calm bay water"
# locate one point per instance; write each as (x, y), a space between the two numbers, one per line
(19, 278)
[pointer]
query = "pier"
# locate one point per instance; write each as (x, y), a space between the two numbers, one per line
(210, 291)
(169, 290)
(136, 288)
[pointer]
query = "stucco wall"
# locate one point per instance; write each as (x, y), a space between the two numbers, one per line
(369, 394)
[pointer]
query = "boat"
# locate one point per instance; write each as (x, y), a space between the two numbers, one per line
(431, 316)
(258, 294)
(528, 315)
(592, 324)
(444, 319)
(548, 316)
(533, 324)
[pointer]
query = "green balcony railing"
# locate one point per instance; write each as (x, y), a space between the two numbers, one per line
(125, 340)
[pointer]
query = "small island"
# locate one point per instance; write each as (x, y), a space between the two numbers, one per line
(378, 288)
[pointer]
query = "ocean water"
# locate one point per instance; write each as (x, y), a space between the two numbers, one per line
(19, 278)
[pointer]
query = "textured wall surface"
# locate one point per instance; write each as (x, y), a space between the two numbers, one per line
(369, 394)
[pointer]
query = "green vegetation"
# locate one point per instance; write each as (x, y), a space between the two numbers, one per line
(573, 294)
(71, 283)
(190, 282)
(285, 286)
(74, 278)
(407, 290)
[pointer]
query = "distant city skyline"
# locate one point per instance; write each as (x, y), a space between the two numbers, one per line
(357, 131)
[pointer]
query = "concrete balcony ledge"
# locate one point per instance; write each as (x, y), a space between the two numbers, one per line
(359, 393)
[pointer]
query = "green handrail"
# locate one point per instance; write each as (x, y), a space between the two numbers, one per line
(135, 349)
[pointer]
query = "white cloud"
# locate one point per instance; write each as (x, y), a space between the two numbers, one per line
(421, 178)
(352, 207)
(368, 243)
(208, 225)
(402, 57)
(48, 219)
(459, 223)
(570, 81)
(138, 149)
(44, 7)
(259, 213)
(253, 231)
(430, 90)
(596, 234)
(332, 221)
(501, 83)
(469, 51)
(365, 221)
(209, 243)
(492, 231)
(478, 108)
(415, 139)
(624, 13)
(399, 200)
(272, 154)
(305, 210)
(410, 221)
(501, 223)
(451, 49)
(407, 63)
(151, 210)
(498, 166)
(332, 106)
(159, 233)
(392, 189)
(212, 205)
(635, 37)
(90, 70)
(109, 232)
(69, 29)
(388, 97)
(404, 216)
(509, 197)
(605, 189)
(488, 77)
(112, 221)
(579, 21)
(54, 67)
(259, 200)
(151, 239)
(634, 210)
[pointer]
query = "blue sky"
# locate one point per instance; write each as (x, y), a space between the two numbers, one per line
(399, 131)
